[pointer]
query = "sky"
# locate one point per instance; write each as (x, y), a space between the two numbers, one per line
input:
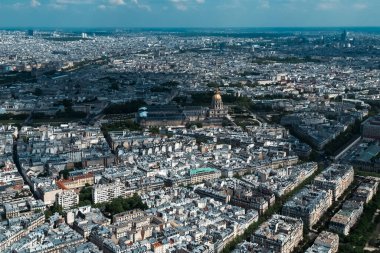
(189, 13)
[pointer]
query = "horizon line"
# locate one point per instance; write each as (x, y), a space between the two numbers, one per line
(183, 27)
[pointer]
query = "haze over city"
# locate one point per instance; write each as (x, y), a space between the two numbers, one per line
(188, 13)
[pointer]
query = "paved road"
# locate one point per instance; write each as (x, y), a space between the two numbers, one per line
(20, 170)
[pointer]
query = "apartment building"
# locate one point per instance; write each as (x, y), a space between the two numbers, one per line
(309, 204)
(67, 199)
(326, 242)
(106, 192)
(336, 178)
(280, 234)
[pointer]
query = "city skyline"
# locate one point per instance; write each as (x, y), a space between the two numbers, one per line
(189, 13)
(189, 126)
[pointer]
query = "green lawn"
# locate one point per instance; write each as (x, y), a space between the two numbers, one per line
(366, 173)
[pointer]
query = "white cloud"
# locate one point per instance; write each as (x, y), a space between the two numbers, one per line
(360, 6)
(102, 7)
(264, 4)
(183, 5)
(234, 4)
(111, 4)
(56, 6)
(327, 4)
(64, 2)
(140, 5)
(180, 4)
(117, 2)
(17, 5)
(35, 3)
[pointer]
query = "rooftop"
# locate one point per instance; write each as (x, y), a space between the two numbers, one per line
(201, 170)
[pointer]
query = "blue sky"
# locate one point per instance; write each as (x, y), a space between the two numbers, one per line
(188, 13)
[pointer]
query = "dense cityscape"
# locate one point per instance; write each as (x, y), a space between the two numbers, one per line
(190, 140)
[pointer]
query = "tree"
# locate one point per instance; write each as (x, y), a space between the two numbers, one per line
(52, 210)
(85, 196)
(67, 103)
(128, 107)
(122, 125)
(213, 85)
(121, 204)
(154, 130)
(115, 206)
(114, 86)
(196, 123)
(64, 173)
(37, 92)
(78, 165)
(170, 84)
(25, 139)
(160, 89)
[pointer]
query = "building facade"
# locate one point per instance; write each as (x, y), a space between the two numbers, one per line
(371, 128)
(106, 192)
(309, 204)
(67, 199)
(172, 115)
(336, 178)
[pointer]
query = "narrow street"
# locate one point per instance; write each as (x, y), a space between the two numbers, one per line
(19, 168)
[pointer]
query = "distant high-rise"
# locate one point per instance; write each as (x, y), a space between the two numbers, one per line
(30, 33)
(343, 36)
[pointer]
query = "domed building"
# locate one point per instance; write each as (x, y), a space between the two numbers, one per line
(173, 115)
(217, 110)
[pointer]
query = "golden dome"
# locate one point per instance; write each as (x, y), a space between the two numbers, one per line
(217, 103)
(217, 96)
